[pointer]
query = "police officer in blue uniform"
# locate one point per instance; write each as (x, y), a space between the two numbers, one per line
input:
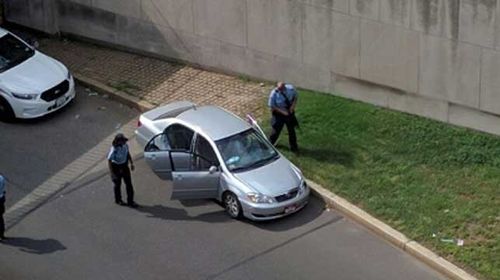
(282, 102)
(118, 159)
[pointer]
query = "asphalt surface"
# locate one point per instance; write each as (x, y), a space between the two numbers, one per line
(33, 150)
(82, 234)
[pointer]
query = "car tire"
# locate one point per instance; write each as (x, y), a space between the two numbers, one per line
(232, 205)
(6, 112)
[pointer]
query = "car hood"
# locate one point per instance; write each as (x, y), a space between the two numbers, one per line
(275, 178)
(34, 75)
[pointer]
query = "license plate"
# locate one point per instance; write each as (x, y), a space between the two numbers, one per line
(60, 101)
(290, 208)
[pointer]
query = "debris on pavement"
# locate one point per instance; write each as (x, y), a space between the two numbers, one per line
(118, 125)
(102, 108)
(91, 92)
(105, 96)
(77, 116)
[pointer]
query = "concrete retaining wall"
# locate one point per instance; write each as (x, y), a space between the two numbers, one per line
(435, 58)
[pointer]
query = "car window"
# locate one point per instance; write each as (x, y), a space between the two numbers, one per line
(246, 150)
(179, 137)
(13, 52)
(158, 143)
(204, 156)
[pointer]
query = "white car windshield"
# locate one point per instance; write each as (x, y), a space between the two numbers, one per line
(246, 150)
(12, 52)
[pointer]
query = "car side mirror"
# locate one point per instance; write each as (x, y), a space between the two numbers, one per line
(212, 169)
(33, 42)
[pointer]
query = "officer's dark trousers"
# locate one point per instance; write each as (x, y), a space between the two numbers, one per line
(121, 171)
(277, 123)
(2, 222)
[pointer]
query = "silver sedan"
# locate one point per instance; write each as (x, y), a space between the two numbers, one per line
(208, 152)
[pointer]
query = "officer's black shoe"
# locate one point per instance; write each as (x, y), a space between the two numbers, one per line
(119, 202)
(133, 205)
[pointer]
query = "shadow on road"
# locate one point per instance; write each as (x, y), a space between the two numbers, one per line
(314, 209)
(34, 246)
(308, 214)
(175, 214)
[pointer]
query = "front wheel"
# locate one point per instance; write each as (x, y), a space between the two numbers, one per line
(6, 112)
(232, 205)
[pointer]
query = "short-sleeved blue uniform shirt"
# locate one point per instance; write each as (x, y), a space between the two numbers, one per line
(119, 154)
(276, 99)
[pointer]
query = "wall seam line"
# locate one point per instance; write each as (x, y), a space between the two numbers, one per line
(359, 49)
(302, 16)
(193, 16)
(418, 62)
(246, 24)
(480, 78)
(379, 11)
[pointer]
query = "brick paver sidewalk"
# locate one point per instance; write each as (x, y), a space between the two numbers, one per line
(155, 80)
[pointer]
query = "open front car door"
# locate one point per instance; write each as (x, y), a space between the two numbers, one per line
(202, 179)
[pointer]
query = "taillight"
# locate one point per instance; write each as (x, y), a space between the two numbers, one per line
(139, 123)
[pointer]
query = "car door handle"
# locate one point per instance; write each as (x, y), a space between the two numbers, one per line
(178, 177)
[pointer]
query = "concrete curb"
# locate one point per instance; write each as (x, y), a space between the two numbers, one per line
(334, 201)
(393, 236)
(127, 99)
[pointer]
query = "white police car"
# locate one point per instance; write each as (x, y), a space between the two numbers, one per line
(32, 84)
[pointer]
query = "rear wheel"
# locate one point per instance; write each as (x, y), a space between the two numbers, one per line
(232, 205)
(6, 112)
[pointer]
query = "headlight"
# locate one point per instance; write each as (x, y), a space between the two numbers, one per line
(25, 96)
(260, 198)
(303, 186)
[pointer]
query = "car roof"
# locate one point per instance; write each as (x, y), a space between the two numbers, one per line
(214, 121)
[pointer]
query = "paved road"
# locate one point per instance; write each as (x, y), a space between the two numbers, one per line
(82, 234)
(32, 151)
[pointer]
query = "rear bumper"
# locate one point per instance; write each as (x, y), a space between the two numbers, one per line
(29, 109)
(264, 212)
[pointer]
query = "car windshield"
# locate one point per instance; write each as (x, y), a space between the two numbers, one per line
(246, 150)
(12, 52)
